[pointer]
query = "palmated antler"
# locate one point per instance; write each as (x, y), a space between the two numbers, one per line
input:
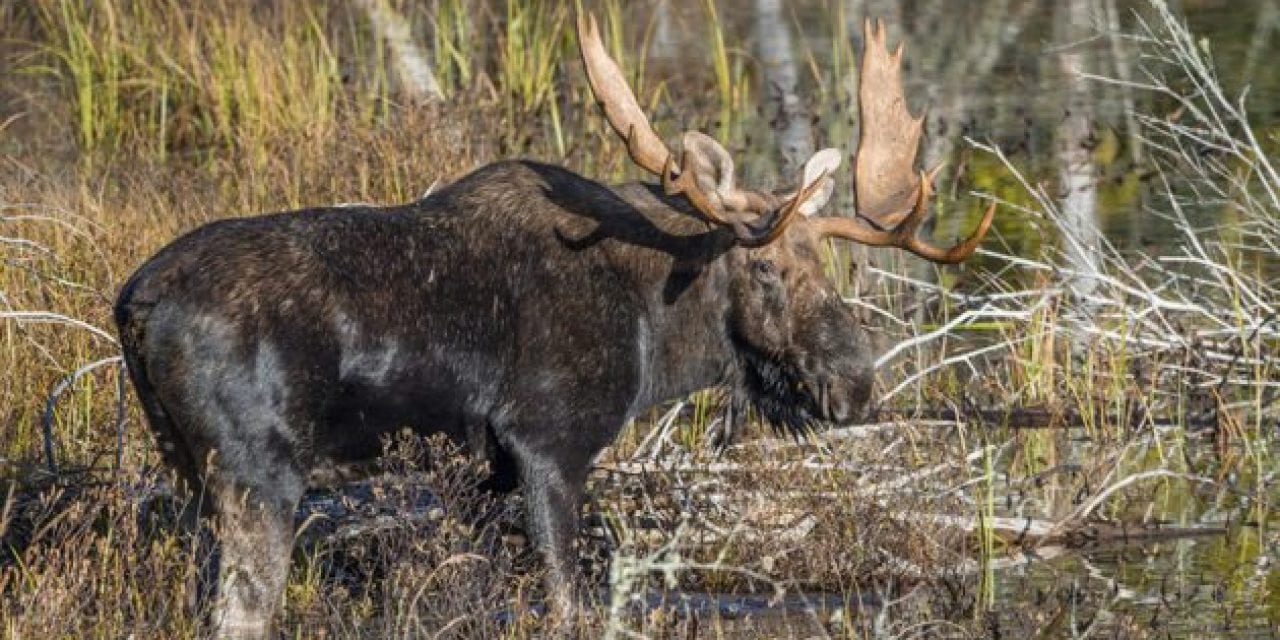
(891, 195)
(702, 158)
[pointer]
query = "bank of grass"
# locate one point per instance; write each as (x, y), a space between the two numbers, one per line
(135, 121)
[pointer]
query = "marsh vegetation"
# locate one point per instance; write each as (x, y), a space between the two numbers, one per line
(1073, 434)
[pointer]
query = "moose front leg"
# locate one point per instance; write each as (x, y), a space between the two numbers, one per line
(553, 487)
(553, 504)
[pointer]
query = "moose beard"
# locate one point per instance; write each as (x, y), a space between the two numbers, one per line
(775, 390)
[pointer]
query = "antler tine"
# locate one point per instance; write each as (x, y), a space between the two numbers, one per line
(777, 222)
(903, 235)
(891, 220)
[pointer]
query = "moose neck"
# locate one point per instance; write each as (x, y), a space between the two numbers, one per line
(685, 334)
(689, 346)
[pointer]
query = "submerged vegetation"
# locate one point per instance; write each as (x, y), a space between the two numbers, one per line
(1075, 433)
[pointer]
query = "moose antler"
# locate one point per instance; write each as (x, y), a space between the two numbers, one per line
(891, 195)
(619, 104)
(713, 196)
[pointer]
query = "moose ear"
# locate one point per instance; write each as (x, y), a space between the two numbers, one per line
(710, 163)
(822, 166)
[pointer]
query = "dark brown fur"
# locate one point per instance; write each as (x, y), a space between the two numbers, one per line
(524, 310)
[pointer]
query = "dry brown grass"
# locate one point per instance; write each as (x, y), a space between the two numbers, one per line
(408, 555)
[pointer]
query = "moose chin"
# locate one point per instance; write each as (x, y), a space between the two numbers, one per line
(525, 311)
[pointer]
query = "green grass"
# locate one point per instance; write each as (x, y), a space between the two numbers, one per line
(155, 75)
(533, 47)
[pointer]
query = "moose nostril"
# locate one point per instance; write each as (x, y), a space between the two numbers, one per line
(842, 410)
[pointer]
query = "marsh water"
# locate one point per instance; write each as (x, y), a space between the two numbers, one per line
(1011, 73)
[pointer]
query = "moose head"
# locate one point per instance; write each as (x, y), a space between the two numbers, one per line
(803, 356)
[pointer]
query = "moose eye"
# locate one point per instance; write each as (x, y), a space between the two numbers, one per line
(764, 269)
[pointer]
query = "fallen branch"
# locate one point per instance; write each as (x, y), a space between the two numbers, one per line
(67, 382)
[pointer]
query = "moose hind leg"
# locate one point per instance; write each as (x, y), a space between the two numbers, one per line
(255, 542)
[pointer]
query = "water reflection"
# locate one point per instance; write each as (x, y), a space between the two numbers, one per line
(998, 70)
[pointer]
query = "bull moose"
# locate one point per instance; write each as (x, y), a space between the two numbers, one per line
(525, 310)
